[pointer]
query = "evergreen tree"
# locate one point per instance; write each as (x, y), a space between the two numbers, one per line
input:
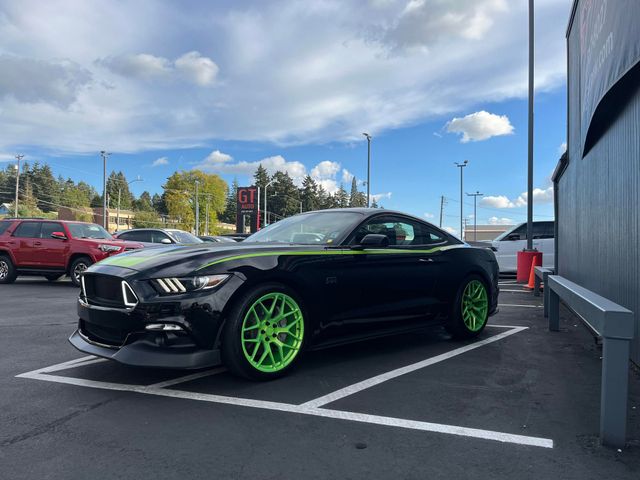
(285, 199)
(118, 182)
(341, 198)
(309, 194)
(374, 204)
(159, 203)
(230, 209)
(324, 199)
(261, 177)
(144, 203)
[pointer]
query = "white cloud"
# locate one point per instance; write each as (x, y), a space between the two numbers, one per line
(451, 230)
(285, 72)
(562, 148)
(217, 157)
(480, 126)
(198, 69)
(325, 170)
(500, 221)
(347, 176)
(429, 215)
(160, 161)
(218, 162)
(27, 80)
(379, 196)
(540, 196)
(191, 66)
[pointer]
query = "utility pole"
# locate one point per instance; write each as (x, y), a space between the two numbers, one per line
(475, 216)
(206, 220)
(197, 211)
(530, 149)
(266, 218)
(104, 156)
(18, 157)
(368, 169)
(443, 202)
(461, 166)
(258, 214)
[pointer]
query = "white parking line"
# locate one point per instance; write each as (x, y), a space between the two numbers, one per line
(378, 379)
(301, 409)
(188, 378)
(516, 305)
(311, 408)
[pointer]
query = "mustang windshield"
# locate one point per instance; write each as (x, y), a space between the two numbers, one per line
(320, 228)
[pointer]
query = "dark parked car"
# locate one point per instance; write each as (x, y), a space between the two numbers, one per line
(156, 236)
(308, 281)
(53, 248)
(216, 239)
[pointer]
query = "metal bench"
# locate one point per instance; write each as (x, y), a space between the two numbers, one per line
(541, 277)
(616, 326)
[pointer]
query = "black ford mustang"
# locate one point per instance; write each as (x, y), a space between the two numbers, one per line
(311, 280)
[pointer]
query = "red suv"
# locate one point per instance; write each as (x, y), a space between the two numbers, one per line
(53, 248)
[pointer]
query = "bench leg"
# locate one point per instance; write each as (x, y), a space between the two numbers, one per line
(536, 286)
(545, 296)
(554, 311)
(614, 391)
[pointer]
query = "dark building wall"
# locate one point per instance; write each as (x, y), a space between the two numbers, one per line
(598, 195)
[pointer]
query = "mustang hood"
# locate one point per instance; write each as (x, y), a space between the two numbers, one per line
(183, 260)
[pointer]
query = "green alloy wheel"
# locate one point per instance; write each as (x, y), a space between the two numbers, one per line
(475, 305)
(470, 310)
(272, 332)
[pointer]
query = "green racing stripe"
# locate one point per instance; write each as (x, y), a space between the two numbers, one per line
(325, 252)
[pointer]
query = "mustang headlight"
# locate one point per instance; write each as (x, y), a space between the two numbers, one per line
(109, 248)
(172, 286)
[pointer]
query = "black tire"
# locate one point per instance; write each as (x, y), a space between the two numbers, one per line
(52, 278)
(8, 273)
(78, 266)
(233, 355)
(456, 325)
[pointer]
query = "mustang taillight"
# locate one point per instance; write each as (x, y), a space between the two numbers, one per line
(175, 286)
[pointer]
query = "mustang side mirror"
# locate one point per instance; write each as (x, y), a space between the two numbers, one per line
(59, 236)
(373, 240)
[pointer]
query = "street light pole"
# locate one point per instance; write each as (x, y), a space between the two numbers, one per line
(266, 218)
(138, 179)
(461, 166)
(18, 157)
(368, 168)
(530, 146)
(475, 216)
(197, 210)
(104, 156)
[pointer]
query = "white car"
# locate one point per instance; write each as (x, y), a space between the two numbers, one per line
(507, 245)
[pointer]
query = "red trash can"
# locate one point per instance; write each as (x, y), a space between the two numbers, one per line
(525, 259)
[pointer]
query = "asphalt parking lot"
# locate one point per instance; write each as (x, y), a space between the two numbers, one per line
(519, 402)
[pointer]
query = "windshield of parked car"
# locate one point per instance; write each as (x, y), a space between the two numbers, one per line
(184, 237)
(308, 229)
(88, 230)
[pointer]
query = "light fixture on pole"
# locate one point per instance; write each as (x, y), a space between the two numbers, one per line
(104, 156)
(475, 216)
(266, 213)
(138, 179)
(18, 157)
(461, 166)
(368, 168)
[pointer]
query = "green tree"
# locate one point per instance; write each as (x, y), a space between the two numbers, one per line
(147, 219)
(180, 198)
(230, 209)
(309, 194)
(261, 177)
(284, 196)
(341, 198)
(159, 204)
(144, 203)
(117, 182)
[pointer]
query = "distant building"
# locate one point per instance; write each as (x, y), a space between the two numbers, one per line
(116, 222)
(485, 232)
(5, 209)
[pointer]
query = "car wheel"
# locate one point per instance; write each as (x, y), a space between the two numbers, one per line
(263, 333)
(470, 310)
(8, 272)
(78, 266)
(52, 278)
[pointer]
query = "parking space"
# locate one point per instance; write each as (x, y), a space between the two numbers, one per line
(405, 406)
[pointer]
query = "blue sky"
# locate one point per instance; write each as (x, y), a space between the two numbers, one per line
(223, 86)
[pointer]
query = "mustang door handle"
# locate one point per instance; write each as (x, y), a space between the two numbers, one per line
(428, 259)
